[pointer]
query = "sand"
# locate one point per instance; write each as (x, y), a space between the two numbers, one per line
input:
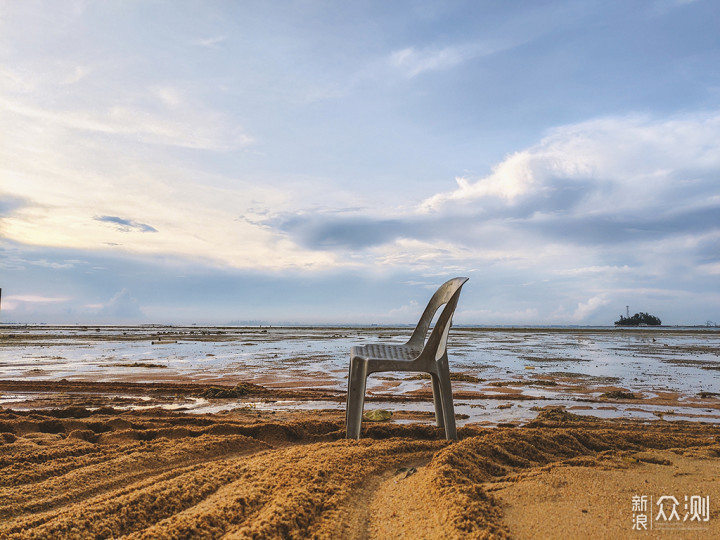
(567, 501)
(100, 472)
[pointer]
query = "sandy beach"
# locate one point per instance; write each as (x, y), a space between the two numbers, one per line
(88, 449)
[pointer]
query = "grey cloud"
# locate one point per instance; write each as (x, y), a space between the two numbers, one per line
(550, 218)
(708, 250)
(608, 229)
(549, 212)
(10, 203)
(125, 225)
(332, 231)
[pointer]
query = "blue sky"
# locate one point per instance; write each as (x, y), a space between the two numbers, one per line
(334, 162)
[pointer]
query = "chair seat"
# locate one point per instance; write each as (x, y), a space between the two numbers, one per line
(382, 351)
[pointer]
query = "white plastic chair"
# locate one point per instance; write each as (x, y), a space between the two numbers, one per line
(415, 355)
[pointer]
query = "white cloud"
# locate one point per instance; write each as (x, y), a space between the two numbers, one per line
(44, 76)
(585, 309)
(419, 254)
(490, 316)
(63, 189)
(191, 218)
(712, 269)
(169, 96)
(406, 313)
(53, 264)
(18, 301)
(412, 62)
(13, 81)
(76, 74)
(210, 42)
(122, 306)
(510, 179)
(209, 131)
(620, 164)
(596, 270)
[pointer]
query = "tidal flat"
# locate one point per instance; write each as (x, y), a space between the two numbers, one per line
(500, 376)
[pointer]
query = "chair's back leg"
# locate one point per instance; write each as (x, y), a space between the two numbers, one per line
(355, 398)
(437, 401)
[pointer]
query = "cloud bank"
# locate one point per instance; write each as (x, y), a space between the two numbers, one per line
(604, 184)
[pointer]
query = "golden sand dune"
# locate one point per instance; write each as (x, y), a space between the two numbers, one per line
(77, 473)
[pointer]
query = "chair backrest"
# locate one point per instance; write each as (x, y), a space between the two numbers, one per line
(448, 295)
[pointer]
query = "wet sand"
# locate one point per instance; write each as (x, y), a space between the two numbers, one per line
(80, 472)
(500, 375)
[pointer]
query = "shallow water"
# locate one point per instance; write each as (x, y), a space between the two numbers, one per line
(518, 369)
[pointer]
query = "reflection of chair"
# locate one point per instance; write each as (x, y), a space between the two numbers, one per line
(415, 355)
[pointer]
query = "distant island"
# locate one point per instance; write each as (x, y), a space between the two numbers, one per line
(639, 319)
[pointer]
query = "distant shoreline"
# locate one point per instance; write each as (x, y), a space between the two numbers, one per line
(519, 327)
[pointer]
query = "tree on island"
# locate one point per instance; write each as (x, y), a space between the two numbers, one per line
(639, 319)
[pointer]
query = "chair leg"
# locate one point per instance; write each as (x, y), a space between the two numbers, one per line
(447, 404)
(437, 401)
(355, 398)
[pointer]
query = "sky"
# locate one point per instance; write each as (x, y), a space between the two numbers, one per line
(319, 162)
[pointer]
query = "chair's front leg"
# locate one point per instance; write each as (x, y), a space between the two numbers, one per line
(437, 401)
(355, 398)
(447, 402)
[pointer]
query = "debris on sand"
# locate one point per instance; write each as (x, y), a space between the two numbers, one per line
(139, 365)
(618, 394)
(377, 415)
(239, 390)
